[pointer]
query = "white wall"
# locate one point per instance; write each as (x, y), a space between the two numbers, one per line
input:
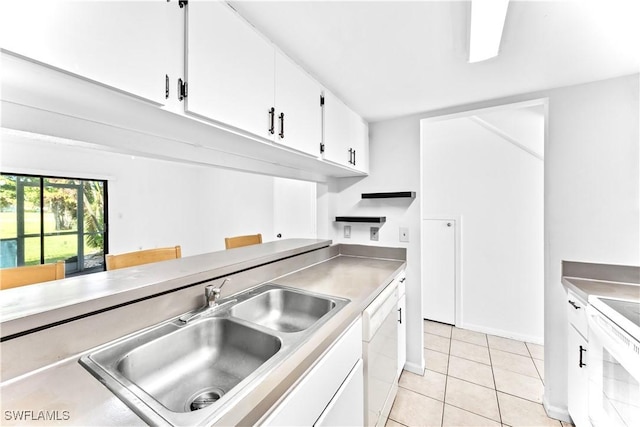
(294, 205)
(154, 203)
(494, 190)
(591, 212)
(592, 186)
(393, 166)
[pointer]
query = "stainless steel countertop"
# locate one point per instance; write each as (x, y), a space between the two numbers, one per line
(605, 280)
(66, 386)
(584, 288)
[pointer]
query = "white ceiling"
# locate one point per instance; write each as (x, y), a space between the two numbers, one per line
(392, 58)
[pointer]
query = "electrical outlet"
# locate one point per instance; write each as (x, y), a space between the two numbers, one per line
(404, 234)
(347, 231)
(374, 233)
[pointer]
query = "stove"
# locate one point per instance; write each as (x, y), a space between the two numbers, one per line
(629, 309)
(622, 312)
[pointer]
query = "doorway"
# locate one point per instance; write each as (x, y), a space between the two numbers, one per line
(484, 169)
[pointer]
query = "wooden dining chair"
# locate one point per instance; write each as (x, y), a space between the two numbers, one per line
(30, 274)
(146, 256)
(239, 241)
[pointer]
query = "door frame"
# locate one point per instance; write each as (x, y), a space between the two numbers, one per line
(544, 101)
(458, 297)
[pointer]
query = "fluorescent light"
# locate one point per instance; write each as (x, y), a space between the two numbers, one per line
(487, 21)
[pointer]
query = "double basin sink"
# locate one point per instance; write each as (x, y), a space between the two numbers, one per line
(188, 373)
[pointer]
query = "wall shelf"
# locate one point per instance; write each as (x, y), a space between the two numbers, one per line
(390, 195)
(370, 219)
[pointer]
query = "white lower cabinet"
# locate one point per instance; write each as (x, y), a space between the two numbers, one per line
(402, 333)
(329, 392)
(578, 379)
(577, 361)
(347, 406)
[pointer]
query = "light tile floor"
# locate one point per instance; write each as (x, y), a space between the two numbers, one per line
(473, 379)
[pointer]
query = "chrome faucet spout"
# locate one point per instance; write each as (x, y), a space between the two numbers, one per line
(212, 295)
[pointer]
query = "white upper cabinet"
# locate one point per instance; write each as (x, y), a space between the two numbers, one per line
(230, 69)
(237, 77)
(298, 109)
(234, 84)
(127, 45)
(346, 135)
(360, 143)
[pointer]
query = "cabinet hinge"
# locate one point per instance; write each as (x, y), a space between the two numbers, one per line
(183, 3)
(166, 86)
(183, 91)
(321, 100)
(321, 148)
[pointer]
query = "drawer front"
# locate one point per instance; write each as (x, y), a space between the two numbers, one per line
(401, 279)
(309, 398)
(577, 313)
(347, 406)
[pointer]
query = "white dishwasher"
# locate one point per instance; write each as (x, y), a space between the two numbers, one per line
(380, 355)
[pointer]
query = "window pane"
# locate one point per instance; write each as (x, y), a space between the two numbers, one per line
(93, 203)
(94, 252)
(60, 205)
(32, 251)
(61, 248)
(19, 217)
(8, 208)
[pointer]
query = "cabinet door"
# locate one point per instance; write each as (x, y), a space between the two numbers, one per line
(347, 406)
(230, 69)
(402, 333)
(578, 378)
(306, 402)
(338, 131)
(298, 110)
(360, 144)
(346, 135)
(127, 45)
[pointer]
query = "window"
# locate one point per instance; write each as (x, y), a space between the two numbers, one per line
(45, 219)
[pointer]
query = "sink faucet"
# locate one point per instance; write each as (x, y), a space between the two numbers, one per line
(212, 295)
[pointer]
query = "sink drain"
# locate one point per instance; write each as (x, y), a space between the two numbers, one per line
(205, 399)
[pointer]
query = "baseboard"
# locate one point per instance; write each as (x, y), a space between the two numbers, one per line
(556, 412)
(415, 368)
(503, 333)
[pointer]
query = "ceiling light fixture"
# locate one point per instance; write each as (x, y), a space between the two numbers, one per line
(487, 22)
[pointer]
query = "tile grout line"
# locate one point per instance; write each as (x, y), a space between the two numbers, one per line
(487, 336)
(446, 377)
(495, 385)
(534, 363)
